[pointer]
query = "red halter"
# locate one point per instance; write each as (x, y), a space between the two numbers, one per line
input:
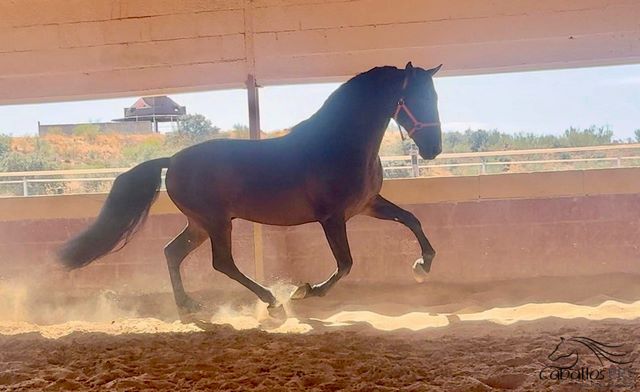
(417, 125)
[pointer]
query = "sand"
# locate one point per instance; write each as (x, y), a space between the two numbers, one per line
(459, 337)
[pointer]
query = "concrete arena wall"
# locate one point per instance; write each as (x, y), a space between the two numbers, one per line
(485, 228)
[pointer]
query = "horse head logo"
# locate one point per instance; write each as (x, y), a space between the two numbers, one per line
(568, 352)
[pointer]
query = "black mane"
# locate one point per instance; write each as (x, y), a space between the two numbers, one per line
(347, 99)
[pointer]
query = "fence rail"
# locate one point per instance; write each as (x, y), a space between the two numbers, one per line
(400, 166)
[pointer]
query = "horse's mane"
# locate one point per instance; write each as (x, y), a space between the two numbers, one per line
(347, 94)
(358, 83)
(602, 350)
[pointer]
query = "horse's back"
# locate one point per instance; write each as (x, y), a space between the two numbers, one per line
(261, 181)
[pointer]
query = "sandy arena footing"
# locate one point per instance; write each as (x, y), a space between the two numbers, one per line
(480, 337)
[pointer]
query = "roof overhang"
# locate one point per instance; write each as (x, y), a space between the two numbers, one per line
(67, 50)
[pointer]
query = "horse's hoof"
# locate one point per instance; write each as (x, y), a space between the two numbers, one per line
(188, 306)
(189, 318)
(420, 271)
(301, 292)
(277, 312)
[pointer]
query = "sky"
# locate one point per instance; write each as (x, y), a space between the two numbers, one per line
(542, 102)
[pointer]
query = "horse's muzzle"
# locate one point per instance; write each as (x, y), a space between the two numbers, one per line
(431, 153)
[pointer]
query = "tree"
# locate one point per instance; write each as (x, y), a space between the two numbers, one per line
(196, 128)
(637, 134)
(479, 139)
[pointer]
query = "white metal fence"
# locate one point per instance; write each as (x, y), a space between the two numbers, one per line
(402, 166)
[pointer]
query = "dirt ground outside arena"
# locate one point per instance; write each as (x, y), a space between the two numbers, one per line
(434, 336)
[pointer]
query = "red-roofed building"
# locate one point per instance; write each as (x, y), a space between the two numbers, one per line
(155, 109)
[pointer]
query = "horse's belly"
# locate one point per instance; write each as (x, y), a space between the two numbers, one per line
(281, 209)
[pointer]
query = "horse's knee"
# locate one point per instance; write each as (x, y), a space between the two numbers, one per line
(412, 221)
(218, 265)
(224, 265)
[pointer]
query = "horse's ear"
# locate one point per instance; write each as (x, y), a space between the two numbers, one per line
(433, 71)
(409, 66)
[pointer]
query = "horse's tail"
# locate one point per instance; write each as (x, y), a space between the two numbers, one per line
(123, 212)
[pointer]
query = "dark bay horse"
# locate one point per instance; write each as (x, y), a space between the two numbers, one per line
(325, 170)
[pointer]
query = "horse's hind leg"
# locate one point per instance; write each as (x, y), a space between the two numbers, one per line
(220, 235)
(336, 232)
(176, 251)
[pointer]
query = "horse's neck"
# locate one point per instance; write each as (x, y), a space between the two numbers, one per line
(356, 123)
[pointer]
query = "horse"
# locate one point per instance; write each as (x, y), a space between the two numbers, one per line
(326, 170)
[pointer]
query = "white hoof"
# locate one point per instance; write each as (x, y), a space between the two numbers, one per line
(419, 273)
(277, 312)
(301, 292)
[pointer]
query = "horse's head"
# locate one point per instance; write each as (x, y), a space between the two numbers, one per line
(417, 110)
(561, 351)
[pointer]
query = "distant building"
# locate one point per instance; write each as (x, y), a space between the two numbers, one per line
(142, 117)
(139, 127)
(155, 109)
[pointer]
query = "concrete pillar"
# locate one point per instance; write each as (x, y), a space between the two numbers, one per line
(254, 134)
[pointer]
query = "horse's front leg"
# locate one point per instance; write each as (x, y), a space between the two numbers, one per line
(335, 230)
(382, 208)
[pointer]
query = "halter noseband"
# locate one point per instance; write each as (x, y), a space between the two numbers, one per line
(417, 125)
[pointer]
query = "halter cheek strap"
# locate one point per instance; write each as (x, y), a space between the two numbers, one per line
(417, 125)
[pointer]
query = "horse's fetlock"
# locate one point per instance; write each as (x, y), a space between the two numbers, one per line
(343, 270)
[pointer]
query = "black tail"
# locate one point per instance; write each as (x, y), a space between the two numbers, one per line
(124, 210)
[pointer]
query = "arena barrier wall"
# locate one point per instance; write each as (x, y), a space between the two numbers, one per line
(484, 228)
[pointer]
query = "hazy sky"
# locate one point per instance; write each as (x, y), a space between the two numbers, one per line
(540, 102)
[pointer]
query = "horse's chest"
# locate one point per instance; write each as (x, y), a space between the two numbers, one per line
(349, 190)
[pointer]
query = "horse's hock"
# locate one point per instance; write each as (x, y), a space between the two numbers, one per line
(484, 228)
